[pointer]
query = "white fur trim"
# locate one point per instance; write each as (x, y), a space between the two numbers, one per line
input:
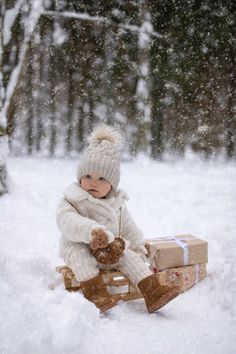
(110, 236)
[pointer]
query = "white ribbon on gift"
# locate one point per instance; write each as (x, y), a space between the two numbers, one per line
(180, 242)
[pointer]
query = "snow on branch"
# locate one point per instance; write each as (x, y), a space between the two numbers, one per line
(89, 18)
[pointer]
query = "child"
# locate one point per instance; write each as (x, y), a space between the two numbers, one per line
(92, 213)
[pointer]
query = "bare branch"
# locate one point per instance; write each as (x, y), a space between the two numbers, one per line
(88, 18)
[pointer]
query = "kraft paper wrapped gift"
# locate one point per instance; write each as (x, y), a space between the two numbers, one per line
(184, 277)
(177, 251)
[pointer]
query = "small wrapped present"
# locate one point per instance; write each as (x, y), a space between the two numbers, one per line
(184, 277)
(177, 251)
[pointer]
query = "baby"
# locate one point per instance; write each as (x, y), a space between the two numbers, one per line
(92, 213)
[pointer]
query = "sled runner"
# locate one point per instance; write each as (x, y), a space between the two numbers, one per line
(117, 284)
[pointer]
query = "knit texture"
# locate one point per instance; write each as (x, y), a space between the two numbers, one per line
(102, 156)
(79, 259)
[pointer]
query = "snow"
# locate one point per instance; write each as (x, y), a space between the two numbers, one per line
(144, 37)
(39, 316)
(59, 35)
(4, 151)
(9, 19)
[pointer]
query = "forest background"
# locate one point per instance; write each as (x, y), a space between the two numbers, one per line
(162, 71)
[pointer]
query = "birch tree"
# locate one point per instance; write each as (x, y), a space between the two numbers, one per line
(143, 82)
(18, 21)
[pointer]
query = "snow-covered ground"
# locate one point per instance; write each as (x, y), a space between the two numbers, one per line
(166, 199)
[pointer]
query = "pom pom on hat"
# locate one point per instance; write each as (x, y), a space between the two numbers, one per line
(104, 132)
(102, 156)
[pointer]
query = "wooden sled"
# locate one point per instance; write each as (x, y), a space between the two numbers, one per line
(118, 285)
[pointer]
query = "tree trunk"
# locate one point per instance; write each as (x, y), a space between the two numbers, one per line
(52, 103)
(142, 116)
(230, 124)
(3, 139)
(39, 73)
(91, 112)
(69, 118)
(156, 94)
(157, 147)
(109, 45)
(80, 127)
(30, 113)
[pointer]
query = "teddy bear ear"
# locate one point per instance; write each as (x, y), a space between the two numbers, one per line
(105, 132)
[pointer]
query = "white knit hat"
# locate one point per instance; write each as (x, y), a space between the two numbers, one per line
(102, 156)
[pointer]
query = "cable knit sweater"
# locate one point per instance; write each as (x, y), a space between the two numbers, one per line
(78, 213)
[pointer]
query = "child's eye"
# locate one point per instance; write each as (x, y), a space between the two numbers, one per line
(88, 176)
(102, 179)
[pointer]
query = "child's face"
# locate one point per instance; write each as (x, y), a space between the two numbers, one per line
(95, 185)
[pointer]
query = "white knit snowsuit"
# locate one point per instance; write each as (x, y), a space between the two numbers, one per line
(78, 213)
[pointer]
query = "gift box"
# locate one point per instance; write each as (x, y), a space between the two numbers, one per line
(177, 251)
(184, 277)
